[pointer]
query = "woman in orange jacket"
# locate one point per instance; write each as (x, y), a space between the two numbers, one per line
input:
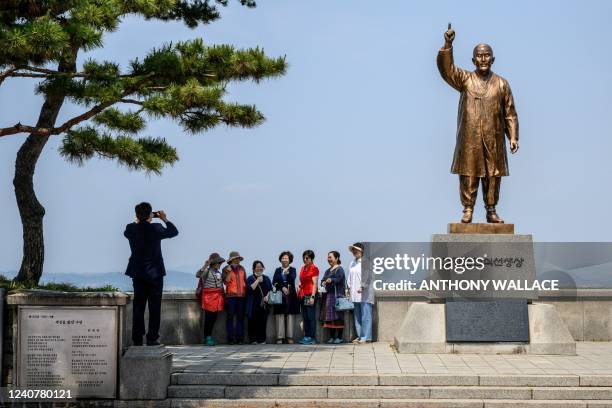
(210, 291)
(234, 277)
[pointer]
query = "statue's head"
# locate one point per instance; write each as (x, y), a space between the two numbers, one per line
(483, 58)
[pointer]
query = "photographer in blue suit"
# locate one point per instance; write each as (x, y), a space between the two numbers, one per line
(146, 268)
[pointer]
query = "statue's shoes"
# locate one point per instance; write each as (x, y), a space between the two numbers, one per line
(467, 215)
(493, 218)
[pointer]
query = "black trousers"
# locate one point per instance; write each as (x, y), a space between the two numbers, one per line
(209, 322)
(234, 313)
(468, 190)
(257, 325)
(146, 291)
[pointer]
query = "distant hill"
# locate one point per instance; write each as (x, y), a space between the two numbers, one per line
(174, 280)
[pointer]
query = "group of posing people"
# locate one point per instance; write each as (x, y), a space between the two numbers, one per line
(253, 295)
(286, 295)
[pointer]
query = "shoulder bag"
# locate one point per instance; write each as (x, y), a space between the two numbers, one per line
(342, 303)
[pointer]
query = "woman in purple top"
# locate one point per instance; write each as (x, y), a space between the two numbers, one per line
(334, 282)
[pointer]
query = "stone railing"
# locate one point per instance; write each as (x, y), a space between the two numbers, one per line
(587, 312)
(181, 322)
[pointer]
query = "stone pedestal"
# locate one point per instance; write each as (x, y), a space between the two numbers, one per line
(505, 257)
(424, 331)
(145, 373)
(483, 319)
(549, 333)
(486, 314)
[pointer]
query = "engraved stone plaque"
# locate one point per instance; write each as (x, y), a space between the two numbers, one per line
(72, 348)
(500, 320)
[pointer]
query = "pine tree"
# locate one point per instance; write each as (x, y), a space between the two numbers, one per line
(182, 81)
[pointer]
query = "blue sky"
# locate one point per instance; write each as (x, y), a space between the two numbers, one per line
(358, 140)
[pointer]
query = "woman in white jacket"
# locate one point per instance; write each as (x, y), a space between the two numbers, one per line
(361, 295)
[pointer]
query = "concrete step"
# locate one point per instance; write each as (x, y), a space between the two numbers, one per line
(388, 392)
(385, 403)
(196, 378)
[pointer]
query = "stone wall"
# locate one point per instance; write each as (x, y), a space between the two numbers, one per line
(587, 312)
(182, 322)
(7, 344)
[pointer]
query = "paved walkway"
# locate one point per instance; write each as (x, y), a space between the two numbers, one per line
(380, 358)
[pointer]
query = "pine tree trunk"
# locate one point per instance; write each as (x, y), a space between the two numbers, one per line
(30, 209)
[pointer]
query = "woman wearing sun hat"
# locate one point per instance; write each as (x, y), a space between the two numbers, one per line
(234, 277)
(210, 291)
(362, 296)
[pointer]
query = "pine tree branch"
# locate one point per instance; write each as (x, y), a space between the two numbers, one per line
(149, 154)
(82, 117)
(36, 72)
(7, 73)
(132, 101)
(49, 71)
(29, 75)
(45, 131)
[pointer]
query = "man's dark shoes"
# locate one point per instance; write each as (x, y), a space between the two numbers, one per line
(492, 216)
(153, 343)
(467, 215)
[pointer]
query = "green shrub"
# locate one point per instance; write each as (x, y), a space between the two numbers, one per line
(8, 285)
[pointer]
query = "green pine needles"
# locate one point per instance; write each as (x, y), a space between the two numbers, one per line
(184, 81)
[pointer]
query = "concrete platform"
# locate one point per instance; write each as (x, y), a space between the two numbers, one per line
(350, 364)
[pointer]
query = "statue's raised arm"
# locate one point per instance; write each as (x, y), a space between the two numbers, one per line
(454, 76)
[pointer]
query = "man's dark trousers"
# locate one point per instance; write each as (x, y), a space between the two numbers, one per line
(146, 291)
(147, 270)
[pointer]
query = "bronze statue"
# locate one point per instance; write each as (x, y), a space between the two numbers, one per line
(486, 114)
